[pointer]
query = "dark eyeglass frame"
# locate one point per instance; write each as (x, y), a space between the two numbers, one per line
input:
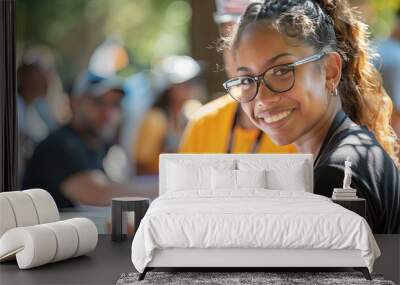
(258, 78)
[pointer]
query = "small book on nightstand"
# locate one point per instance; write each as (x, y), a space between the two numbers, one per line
(344, 194)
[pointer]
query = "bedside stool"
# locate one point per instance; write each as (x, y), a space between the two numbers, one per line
(358, 205)
(123, 204)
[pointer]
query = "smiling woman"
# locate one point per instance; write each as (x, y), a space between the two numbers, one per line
(308, 80)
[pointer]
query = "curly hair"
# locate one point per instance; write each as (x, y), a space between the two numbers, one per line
(332, 25)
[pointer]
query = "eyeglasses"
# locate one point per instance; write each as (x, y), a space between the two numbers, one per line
(278, 79)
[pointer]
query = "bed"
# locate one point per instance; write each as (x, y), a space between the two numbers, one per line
(245, 211)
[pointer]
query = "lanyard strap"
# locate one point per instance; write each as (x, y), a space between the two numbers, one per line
(234, 124)
(340, 117)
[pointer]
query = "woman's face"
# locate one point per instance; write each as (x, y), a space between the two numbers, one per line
(286, 117)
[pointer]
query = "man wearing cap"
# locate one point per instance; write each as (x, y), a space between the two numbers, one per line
(221, 126)
(69, 162)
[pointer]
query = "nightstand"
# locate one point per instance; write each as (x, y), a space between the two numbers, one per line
(358, 205)
(122, 204)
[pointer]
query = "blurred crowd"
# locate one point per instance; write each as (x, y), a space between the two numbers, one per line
(100, 136)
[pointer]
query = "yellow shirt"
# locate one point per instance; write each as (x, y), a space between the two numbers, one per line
(209, 131)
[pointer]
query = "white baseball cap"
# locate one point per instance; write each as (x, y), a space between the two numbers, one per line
(174, 70)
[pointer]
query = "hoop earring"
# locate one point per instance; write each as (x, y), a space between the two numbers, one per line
(335, 92)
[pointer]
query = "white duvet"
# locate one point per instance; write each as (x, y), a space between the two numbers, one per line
(252, 218)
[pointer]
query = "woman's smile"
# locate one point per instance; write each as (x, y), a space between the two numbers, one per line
(274, 119)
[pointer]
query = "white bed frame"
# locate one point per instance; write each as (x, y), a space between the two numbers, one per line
(234, 257)
(246, 257)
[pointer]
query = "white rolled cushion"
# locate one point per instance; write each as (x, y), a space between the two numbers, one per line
(67, 239)
(33, 246)
(223, 179)
(23, 208)
(87, 235)
(45, 205)
(40, 244)
(7, 218)
(251, 178)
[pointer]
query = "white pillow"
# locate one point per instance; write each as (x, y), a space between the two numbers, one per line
(183, 178)
(223, 179)
(251, 178)
(293, 179)
(286, 174)
(184, 175)
(237, 179)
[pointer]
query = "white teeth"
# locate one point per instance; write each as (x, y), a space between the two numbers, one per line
(277, 117)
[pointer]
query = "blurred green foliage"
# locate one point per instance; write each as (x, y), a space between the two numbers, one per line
(381, 16)
(149, 29)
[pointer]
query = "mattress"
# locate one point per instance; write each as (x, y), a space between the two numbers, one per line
(250, 219)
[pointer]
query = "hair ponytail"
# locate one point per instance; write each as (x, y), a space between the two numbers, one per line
(363, 97)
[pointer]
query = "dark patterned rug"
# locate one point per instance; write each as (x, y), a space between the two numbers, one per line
(242, 278)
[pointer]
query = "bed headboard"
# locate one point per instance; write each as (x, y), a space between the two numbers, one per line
(272, 161)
